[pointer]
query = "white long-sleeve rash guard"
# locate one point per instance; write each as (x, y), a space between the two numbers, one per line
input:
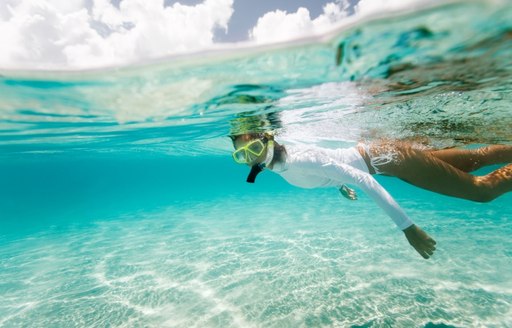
(314, 167)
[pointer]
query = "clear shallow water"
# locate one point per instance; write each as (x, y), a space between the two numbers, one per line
(215, 263)
(120, 204)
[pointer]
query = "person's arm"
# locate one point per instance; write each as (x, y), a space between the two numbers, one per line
(370, 186)
(417, 238)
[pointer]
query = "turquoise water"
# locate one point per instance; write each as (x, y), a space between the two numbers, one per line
(120, 204)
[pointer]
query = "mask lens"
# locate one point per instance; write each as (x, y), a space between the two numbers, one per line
(256, 147)
(240, 156)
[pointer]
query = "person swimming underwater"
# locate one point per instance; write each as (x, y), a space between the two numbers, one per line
(443, 171)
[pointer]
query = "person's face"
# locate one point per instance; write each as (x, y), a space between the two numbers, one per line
(252, 148)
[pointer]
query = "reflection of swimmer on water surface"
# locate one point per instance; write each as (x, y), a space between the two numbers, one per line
(477, 65)
(443, 171)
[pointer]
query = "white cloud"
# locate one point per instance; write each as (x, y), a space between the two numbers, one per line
(56, 34)
(279, 25)
(62, 34)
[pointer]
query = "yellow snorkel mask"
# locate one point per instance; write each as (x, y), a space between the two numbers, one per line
(249, 152)
(253, 150)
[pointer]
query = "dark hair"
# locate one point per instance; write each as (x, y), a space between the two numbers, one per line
(254, 125)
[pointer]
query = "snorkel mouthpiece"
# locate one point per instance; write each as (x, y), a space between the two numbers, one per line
(255, 170)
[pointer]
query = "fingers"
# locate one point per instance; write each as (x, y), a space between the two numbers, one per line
(425, 254)
(426, 250)
(348, 193)
(430, 244)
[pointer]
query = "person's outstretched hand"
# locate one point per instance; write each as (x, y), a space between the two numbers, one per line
(348, 193)
(420, 240)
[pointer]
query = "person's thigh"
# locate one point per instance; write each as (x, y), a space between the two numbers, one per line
(428, 172)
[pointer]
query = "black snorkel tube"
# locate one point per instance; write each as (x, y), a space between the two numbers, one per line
(255, 170)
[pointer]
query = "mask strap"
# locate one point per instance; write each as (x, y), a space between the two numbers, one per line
(270, 153)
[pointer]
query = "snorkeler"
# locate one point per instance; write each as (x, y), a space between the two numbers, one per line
(442, 171)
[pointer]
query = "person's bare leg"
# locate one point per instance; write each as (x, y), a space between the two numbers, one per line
(499, 180)
(469, 160)
(426, 171)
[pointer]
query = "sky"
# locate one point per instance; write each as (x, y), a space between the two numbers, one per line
(78, 34)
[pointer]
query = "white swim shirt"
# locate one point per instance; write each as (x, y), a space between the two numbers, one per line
(316, 167)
